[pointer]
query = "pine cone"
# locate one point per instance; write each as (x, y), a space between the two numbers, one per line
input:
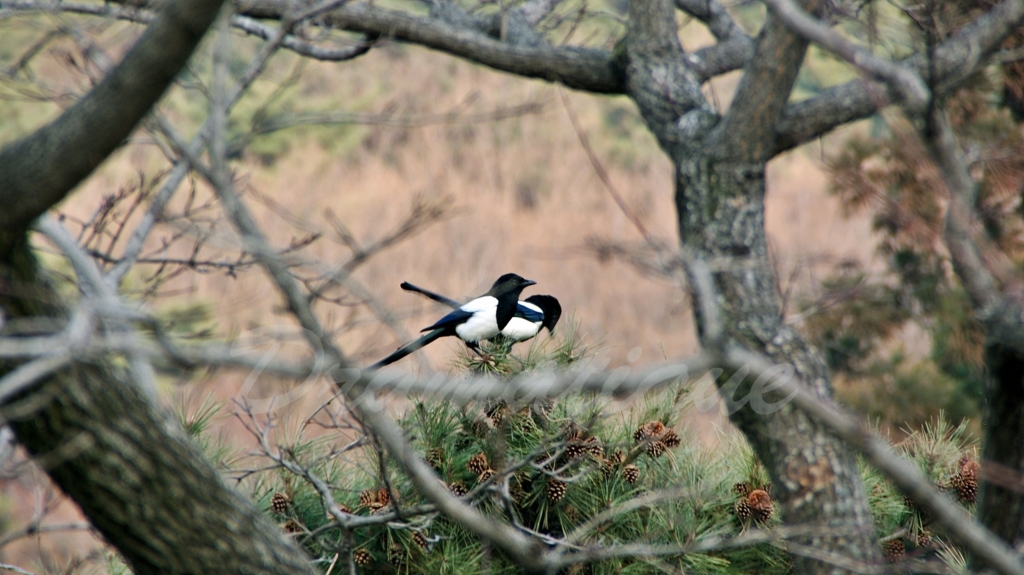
(967, 490)
(760, 504)
(655, 449)
(593, 447)
(486, 474)
(518, 486)
(367, 497)
(578, 444)
(383, 496)
(543, 407)
(291, 526)
(924, 538)
(279, 502)
(965, 479)
(574, 451)
(457, 489)
(547, 460)
(649, 429)
(670, 439)
(420, 539)
(631, 473)
(894, 550)
(396, 555)
(478, 463)
(556, 490)
(341, 507)
(434, 457)
(742, 509)
(742, 489)
(496, 411)
(361, 557)
(608, 467)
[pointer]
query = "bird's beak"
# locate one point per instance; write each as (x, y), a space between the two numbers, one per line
(529, 283)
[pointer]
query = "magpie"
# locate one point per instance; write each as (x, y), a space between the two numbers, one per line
(479, 319)
(535, 313)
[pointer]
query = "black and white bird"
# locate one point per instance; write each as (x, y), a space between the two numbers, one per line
(479, 319)
(535, 313)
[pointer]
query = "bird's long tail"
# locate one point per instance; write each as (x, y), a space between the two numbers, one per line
(434, 296)
(407, 349)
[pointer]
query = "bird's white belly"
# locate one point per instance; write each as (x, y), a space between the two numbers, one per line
(520, 329)
(482, 325)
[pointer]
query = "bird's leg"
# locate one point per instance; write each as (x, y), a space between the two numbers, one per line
(484, 356)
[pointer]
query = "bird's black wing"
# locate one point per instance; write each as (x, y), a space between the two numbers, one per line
(528, 313)
(451, 320)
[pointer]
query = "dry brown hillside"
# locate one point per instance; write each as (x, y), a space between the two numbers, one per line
(521, 192)
(523, 198)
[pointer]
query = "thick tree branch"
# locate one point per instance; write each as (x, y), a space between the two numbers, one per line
(725, 56)
(746, 133)
(658, 79)
(955, 59)
(587, 69)
(38, 171)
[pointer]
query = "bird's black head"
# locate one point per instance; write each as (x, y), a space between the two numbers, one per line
(551, 308)
(509, 283)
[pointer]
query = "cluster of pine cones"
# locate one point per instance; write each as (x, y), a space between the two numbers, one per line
(658, 437)
(579, 445)
(753, 503)
(375, 499)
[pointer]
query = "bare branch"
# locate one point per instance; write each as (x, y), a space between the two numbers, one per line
(243, 23)
(954, 60)
(95, 286)
(911, 88)
(38, 171)
(997, 294)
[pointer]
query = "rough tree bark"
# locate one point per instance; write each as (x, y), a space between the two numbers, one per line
(126, 463)
(133, 471)
(720, 191)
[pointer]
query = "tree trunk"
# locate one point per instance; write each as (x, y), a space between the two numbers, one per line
(720, 166)
(721, 215)
(129, 465)
(1000, 506)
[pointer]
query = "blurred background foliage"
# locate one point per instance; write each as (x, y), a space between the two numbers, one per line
(864, 315)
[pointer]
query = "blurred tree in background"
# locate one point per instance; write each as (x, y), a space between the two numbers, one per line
(861, 316)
